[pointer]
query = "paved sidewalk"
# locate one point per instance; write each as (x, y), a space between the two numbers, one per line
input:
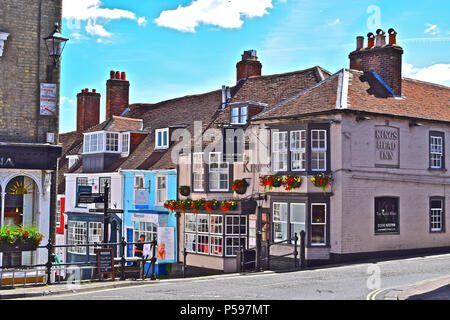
(434, 289)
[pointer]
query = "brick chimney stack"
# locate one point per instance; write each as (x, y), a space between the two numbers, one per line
(88, 109)
(117, 94)
(381, 58)
(249, 66)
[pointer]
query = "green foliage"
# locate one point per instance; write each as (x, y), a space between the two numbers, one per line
(15, 234)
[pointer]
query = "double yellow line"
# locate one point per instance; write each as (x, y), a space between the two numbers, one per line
(372, 295)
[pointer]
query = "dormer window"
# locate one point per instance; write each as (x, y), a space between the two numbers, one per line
(102, 141)
(162, 138)
(239, 115)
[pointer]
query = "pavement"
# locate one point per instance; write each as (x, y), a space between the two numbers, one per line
(420, 278)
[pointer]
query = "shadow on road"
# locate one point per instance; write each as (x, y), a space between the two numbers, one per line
(442, 293)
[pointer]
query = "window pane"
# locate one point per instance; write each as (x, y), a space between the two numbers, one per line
(318, 214)
(318, 234)
(298, 212)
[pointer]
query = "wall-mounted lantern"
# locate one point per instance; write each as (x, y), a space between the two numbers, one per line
(55, 44)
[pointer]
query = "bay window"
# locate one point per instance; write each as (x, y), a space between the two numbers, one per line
(207, 234)
(112, 141)
(218, 172)
(76, 235)
(298, 219)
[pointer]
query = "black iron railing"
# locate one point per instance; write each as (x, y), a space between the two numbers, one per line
(250, 259)
(51, 264)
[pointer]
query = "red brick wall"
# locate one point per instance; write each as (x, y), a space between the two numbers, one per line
(117, 95)
(385, 61)
(88, 110)
(248, 68)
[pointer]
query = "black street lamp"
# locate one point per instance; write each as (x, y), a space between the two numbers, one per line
(55, 44)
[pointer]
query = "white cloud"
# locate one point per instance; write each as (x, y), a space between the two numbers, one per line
(66, 100)
(221, 13)
(97, 30)
(432, 29)
(142, 21)
(436, 73)
(76, 12)
(335, 22)
(91, 9)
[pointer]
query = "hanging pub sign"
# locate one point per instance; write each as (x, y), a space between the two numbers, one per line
(48, 99)
(386, 215)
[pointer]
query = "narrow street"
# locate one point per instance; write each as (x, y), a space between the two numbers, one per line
(348, 282)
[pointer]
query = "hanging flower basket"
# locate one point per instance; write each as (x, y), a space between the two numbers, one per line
(291, 182)
(239, 186)
(227, 205)
(19, 238)
(322, 180)
(172, 205)
(270, 181)
(185, 191)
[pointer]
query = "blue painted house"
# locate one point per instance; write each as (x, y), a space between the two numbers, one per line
(145, 192)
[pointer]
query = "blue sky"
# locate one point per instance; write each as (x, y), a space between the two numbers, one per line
(172, 48)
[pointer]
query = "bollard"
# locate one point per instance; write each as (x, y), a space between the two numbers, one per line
(295, 251)
(302, 250)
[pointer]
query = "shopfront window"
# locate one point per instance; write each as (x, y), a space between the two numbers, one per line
(77, 235)
(280, 221)
(95, 234)
(148, 229)
(21, 208)
(298, 219)
(204, 234)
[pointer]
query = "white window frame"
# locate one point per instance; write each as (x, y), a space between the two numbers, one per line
(318, 224)
(158, 201)
(292, 222)
(436, 152)
(219, 171)
(153, 233)
(72, 160)
(198, 172)
(112, 143)
(162, 145)
(298, 150)
(77, 234)
(125, 143)
(436, 216)
(241, 116)
(278, 220)
(279, 153)
(211, 229)
(319, 150)
(98, 227)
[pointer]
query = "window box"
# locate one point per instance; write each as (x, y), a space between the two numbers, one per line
(17, 246)
(14, 238)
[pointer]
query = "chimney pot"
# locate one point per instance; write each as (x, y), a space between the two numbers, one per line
(381, 38)
(94, 90)
(117, 76)
(359, 42)
(370, 40)
(123, 76)
(111, 74)
(392, 36)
